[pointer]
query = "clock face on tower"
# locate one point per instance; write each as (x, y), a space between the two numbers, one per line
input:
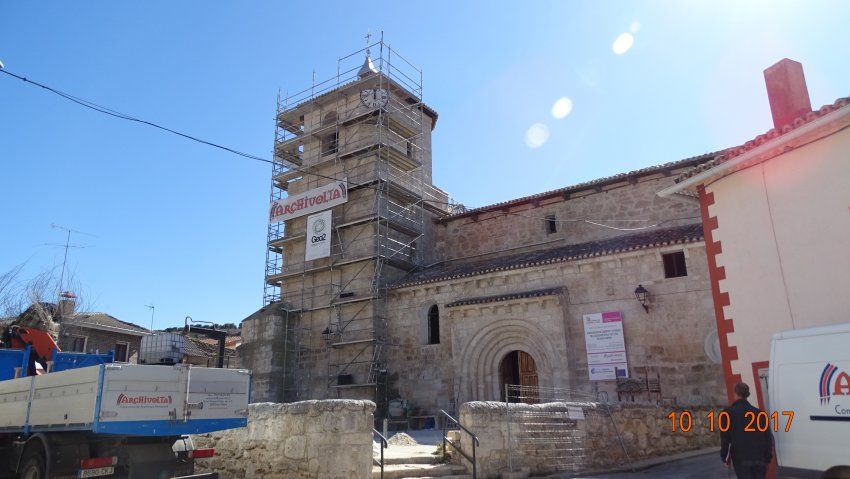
(375, 97)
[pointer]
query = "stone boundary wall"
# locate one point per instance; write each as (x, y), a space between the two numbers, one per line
(329, 439)
(645, 431)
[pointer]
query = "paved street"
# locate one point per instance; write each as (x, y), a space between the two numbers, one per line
(701, 467)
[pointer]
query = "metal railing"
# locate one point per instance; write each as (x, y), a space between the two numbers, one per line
(446, 440)
(383, 446)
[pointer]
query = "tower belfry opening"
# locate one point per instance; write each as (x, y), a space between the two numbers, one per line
(366, 129)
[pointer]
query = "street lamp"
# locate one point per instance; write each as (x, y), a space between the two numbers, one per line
(642, 296)
(2, 66)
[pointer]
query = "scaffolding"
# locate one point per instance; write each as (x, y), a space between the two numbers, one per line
(369, 126)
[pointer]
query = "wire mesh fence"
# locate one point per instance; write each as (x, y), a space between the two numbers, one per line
(556, 430)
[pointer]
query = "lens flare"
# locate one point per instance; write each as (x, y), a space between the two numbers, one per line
(562, 108)
(634, 27)
(536, 135)
(623, 43)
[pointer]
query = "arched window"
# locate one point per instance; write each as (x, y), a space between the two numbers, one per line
(329, 118)
(434, 325)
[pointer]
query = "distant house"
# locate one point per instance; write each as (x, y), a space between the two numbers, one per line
(101, 332)
(204, 351)
(232, 342)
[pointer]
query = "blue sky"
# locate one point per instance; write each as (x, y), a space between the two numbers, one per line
(182, 226)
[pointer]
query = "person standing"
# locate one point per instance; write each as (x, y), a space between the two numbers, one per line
(748, 449)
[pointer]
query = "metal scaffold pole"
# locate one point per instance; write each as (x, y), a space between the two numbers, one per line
(365, 127)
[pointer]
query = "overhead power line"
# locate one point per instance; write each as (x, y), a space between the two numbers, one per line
(123, 116)
(107, 111)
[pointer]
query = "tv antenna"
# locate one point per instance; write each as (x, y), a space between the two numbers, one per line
(67, 245)
(152, 308)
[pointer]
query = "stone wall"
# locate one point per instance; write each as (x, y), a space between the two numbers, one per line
(645, 430)
(329, 439)
(670, 340)
(262, 351)
(524, 226)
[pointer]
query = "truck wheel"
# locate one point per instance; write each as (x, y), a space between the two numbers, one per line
(33, 465)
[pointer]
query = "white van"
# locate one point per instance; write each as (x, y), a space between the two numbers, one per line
(810, 376)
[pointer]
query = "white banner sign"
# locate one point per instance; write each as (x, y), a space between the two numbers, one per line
(318, 235)
(317, 199)
(606, 346)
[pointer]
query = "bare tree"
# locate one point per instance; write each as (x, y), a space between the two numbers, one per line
(33, 302)
(12, 303)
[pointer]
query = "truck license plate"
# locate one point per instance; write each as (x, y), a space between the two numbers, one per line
(96, 472)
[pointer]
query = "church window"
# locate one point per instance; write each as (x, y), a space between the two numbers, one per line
(329, 118)
(434, 325)
(551, 224)
(674, 265)
(329, 143)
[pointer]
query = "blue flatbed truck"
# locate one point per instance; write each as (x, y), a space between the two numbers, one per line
(88, 416)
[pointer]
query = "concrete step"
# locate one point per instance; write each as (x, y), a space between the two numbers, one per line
(423, 454)
(406, 471)
(426, 458)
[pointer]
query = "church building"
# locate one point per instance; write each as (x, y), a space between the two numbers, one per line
(378, 286)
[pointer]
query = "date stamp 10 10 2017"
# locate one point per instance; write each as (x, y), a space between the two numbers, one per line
(720, 421)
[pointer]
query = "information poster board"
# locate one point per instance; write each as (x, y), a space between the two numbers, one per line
(606, 346)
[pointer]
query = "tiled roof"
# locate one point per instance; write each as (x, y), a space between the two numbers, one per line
(636, 241)
(507, 297)
(694, 160)
(730, 153)
(193, 347)
(102, 320)
(201, 348)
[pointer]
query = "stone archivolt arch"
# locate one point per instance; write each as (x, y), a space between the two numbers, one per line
(481, 356)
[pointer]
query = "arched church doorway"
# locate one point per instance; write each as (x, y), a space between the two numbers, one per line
(519, 368)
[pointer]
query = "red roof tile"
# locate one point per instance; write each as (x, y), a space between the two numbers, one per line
(729, 153)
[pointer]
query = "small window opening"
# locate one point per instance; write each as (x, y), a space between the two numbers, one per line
(329, 143)
(434, 325)
(122, 352)
(78, 344)
(674, 265)
(409, 149)
(551, 224)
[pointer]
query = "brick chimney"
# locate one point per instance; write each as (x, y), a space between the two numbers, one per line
(67, 304)
(787, 92)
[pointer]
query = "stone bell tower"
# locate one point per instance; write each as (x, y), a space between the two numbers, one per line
(350, 198)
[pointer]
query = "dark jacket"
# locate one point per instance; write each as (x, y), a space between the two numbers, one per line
(749, 448)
